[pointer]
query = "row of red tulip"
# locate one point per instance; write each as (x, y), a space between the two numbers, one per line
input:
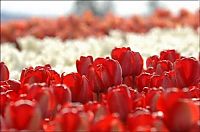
(105, 95)
(89, 25)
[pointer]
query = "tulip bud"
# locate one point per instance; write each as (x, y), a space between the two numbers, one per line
(152, 61)
(39, 74)
(4, 72)
(163, 66)
(120, 96)
(83, 64)
(23, 115)
(45, 98)
(79, 86)
(131, 62)
(182, 115)
(104, 73)
(62, 93)
(14, 85)
(170, 55)
(69, 119)
(187, 72)
(143, 80)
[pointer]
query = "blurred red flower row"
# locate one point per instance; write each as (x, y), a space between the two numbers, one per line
(73, 26)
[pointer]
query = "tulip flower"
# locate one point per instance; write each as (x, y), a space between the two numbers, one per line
(162, 66)
(45, 98)
(131, 62)
(167, 98)
(99, 110)
(39, 74)
(182, 115)
(143, 80)
(169, 80)
(187, 72)
(119, 96)
(23, 115)
(4, 72)
(170, 55)
(152, 61)
(62, 93)
(69, 119)
(104, 73)
(79, 86)
(83, 64)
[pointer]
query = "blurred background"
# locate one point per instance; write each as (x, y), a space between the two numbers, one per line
(24, 9)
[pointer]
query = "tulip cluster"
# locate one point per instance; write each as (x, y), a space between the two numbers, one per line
(73, 26)
(105, 94)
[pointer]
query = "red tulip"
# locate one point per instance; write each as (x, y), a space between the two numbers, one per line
(99, 110)
(104, 73)
(45, 98)
(109, 123)
(182, 115)
(156, 81)
(14, 85)
(4, 72)
(69, 119)
(169, 80)
(170, 55)
(23, 115)
(152, 61)
(167, 99)
(187, 72)
(62, 93)
(143, 80)
(131, 62)
(162, 66)
(120, 96)
(39, 74)
(152, 97)
(79, 86)
(83, 64)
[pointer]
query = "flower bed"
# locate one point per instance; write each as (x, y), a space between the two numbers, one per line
(106, 94)
(54, 80)
(62, 55)
(72, 27)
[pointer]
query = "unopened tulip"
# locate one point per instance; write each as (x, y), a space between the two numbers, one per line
(4, 72)
(131, 62)
(79, 86)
